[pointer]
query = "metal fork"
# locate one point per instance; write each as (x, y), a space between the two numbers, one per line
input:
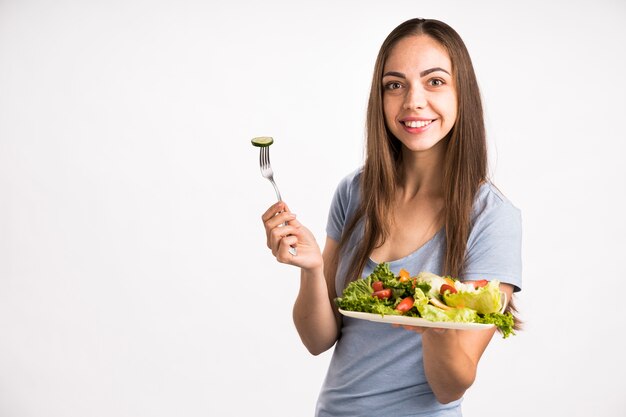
(266, 169)
(268, 172)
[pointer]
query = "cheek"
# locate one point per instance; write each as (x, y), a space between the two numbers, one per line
(451, 109)
(390, 110)
(386, 111)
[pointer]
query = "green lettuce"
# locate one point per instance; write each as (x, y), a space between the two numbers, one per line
(504, 322)
(434, 281)
(382, 272)
(484, 300)
(357, 296)
(459, 315)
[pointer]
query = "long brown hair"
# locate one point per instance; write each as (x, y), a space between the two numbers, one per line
(465, 164)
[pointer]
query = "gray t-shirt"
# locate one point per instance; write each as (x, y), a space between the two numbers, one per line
(376, 369)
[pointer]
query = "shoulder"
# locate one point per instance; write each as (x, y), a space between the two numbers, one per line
(351, 181)
(494, 243)
(344, 203)
(348, 187)
(490, 201)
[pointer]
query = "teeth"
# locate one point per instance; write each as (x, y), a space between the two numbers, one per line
(417, 123)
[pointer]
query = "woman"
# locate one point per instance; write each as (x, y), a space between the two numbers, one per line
(421, 202)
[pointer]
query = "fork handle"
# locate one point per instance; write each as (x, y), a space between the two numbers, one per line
(292, 249)
(276, 189)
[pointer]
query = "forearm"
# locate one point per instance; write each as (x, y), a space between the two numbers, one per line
(313, 313)
(450, 363)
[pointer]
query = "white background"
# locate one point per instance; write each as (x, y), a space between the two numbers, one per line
(134, 278)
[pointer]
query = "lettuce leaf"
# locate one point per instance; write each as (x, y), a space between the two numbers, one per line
(484, 300)
(504, 322)
(459, 315)
(434, 281)
(358, 297)
(382, 273)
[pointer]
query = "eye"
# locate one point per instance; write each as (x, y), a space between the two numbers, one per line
(394, 85)
(436, 82)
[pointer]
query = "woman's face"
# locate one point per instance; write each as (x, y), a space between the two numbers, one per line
(419, 95)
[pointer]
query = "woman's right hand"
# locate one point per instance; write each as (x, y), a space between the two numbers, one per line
(283, 232)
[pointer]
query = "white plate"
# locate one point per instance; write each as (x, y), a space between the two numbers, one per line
(415, 321)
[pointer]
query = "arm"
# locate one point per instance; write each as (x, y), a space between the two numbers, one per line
(314, 314)
(451, 357)
(493, 250)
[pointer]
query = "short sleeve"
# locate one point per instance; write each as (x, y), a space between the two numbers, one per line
(339, 207)
(494, 245)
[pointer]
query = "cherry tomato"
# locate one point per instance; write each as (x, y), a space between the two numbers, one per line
(405, 276)
(383, 294)
(405, 305)
(478, 284)
(447, 287)
(377, 285)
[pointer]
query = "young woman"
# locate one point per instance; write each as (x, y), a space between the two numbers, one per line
(421, 202)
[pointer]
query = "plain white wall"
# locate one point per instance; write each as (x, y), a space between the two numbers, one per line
(134, 280)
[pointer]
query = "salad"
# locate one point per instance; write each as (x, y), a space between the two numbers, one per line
(429, 296)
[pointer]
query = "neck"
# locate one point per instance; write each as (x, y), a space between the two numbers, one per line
(422, 172)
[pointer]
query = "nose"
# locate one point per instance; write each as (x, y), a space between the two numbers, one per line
(415, 98)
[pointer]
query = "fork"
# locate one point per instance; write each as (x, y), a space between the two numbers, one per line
(266, 169)
(268, 172)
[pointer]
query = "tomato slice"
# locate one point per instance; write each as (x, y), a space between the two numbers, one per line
(447, 287)
(478, 284)
(377, 285)
(405, 305)
(382, 294)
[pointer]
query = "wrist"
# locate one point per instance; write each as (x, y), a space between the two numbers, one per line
(313, 271)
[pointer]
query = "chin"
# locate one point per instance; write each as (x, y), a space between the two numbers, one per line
(422, 146)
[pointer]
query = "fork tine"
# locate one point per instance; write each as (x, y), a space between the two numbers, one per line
(263, 159)
(265, 162)
(267, 172)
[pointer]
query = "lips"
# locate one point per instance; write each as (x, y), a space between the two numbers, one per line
(416, 125)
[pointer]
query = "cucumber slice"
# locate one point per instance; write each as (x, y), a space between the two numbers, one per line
(262, 141)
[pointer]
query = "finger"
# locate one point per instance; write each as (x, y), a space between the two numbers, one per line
(415, 329)
(279, 219)
(273, 210)
(290, 241)
(277, 234)
(439, 330)
(284, 255)
(294, 222)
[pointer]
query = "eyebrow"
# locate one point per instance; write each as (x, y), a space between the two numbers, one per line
(422, 74)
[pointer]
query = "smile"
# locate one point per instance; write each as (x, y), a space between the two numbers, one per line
(417, 123)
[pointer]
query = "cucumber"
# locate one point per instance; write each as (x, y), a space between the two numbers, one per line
(262, 141)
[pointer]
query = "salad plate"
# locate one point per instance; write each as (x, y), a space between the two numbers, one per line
(414, 321)
(426, 300)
